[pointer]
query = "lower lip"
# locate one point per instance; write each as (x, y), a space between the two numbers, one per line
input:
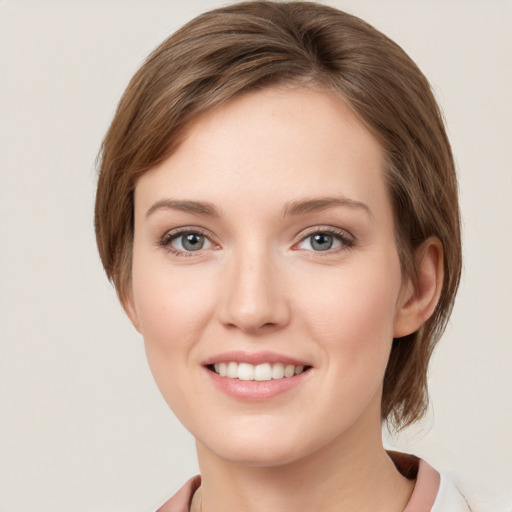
(256, 390)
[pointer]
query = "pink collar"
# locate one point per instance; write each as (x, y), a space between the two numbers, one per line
(427, 481)
(422, 498)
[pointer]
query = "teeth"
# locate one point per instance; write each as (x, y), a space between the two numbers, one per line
(278, 371)
(245, 371)
(263, 372)
(289, 370)
(232, 371)
(260, 372)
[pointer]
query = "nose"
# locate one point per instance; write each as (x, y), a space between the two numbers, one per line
(253, 299)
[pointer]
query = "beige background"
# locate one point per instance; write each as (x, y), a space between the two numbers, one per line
(82, 425)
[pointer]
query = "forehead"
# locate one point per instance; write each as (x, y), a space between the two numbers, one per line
(297, 141)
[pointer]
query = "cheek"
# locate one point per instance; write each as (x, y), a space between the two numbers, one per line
(353, 310)
(353, 327)
(173, 307)
(170, 301)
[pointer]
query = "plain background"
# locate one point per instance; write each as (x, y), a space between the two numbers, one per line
(82, 425)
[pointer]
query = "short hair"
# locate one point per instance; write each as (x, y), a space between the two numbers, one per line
(228, 51)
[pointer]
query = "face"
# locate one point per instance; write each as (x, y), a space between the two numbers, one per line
(266, 281)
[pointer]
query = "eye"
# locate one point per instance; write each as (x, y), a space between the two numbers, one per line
(191, 242)
(326, 240)
(183, 242)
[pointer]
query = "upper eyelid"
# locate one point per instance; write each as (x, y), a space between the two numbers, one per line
(183, 230)
(325, 229)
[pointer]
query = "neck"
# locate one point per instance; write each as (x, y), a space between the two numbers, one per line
(345, 475)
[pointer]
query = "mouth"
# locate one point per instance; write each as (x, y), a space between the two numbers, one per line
(256, 377)
(259, 372)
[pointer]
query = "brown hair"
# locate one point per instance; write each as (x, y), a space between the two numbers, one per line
(227, 51)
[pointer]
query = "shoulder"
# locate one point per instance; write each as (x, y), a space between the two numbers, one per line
(180, 502)
(457, 495)
(449, 498)
(442, 492)
(446, 495)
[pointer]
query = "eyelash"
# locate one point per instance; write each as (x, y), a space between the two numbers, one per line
(347, 240)
(170, 236)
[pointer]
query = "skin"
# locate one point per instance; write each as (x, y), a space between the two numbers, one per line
(258, 284)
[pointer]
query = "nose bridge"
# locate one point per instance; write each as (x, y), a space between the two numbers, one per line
(254, 299)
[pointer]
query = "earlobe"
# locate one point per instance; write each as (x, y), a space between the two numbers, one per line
(418, 302)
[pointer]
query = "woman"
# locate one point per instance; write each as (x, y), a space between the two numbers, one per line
(277, 208)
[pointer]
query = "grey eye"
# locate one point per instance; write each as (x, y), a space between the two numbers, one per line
(321, 242)
(191, 242)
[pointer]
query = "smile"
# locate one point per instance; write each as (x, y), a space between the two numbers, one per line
(256, 377)
(259, 372)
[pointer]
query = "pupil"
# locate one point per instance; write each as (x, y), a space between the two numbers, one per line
(321, 242)
(193, 242)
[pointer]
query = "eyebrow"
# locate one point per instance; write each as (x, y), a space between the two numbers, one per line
(294, 208)
(302, 207)
(203, 208)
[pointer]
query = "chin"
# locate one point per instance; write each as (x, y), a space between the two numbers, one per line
(263, 445)
(259, 454)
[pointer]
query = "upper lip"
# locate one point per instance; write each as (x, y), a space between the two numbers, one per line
(253, 358)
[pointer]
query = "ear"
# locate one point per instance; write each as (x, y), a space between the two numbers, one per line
(417, 303)
(129, 307)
